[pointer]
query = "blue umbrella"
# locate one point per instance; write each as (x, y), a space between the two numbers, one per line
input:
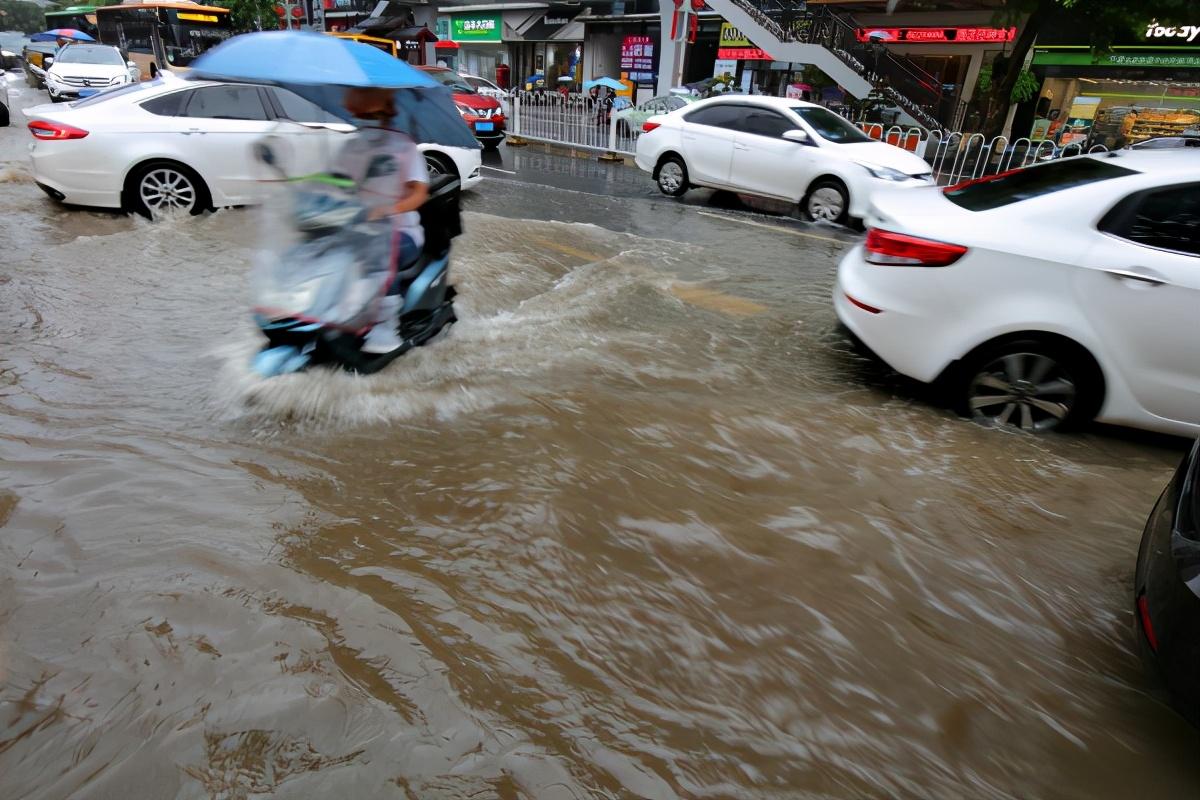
(61, 33)
(608, 83)
(320, 68)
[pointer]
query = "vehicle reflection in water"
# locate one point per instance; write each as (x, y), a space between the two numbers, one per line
(641, 524)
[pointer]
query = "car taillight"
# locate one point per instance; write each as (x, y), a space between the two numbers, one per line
(899, 250)
(649, 126)
(55, 131)
(1143, 608)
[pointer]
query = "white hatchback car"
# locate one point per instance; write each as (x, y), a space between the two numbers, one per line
(771, 146)
(178, 144)
(80, 67)
(1042, 297)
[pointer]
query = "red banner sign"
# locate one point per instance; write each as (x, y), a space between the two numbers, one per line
(743, 54)
(958, 35)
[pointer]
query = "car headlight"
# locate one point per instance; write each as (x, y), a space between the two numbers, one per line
(296, 299)
(883, 173)
(464, 111)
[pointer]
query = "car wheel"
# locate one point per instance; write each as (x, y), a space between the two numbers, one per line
(164, 187)
(491, 144)
(436, 165)
(1030, 384)
(4, 119)
(827, 201)
(672, 176)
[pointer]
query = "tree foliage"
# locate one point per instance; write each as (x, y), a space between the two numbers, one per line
(251, 15)
(1102, 20)
(17, 15)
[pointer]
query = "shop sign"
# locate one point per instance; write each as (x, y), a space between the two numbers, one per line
(637, 58)
(1084, 59)
(724, 66)
(952, 35)
(734, 46)
(1187, 33)
(476, 28)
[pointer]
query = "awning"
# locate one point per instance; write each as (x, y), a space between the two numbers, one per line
(446, 44)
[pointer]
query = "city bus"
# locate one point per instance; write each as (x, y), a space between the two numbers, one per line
(81, 18)
(160, 36)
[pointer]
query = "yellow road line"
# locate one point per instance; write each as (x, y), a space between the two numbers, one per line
(776, 228)
(716, 301)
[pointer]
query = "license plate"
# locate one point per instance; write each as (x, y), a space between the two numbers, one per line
(485, 126)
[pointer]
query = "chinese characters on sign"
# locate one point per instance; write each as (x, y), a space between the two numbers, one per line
(734, 46)
(637, 58)
(1155, 61)
(476, 28)
(962, 35)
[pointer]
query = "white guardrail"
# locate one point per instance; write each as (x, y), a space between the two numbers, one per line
(578, 121)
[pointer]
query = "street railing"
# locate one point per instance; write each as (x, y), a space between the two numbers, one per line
(574, 120)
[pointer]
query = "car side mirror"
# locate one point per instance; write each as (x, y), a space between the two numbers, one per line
(798, 136)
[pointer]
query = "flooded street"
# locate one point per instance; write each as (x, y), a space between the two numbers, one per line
(642, 524)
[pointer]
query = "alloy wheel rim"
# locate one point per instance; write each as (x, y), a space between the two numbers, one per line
(1030, 391)
(670, 177)
(433, 167)
(826, 203)
(167, 190)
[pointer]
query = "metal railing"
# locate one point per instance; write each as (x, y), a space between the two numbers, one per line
(573, 120)
(956, 156)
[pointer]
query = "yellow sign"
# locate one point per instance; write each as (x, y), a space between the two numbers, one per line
(733, 37)
(1084, 108)
(198, 17)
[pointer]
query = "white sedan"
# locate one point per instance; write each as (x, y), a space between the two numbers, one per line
(172, 144)
(1042, 297)
(771, 146)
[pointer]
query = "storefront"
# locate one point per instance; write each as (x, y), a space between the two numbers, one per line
(626, 43)
(1147, 84)
(547, 43)
(510, 45)
(479, 37)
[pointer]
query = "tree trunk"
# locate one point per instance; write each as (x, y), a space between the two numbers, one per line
(1000, 97)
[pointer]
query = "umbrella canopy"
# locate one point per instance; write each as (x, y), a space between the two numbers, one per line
(607, 83)
(320, 68)
(61, 33)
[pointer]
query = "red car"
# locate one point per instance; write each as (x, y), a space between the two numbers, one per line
(483, 114)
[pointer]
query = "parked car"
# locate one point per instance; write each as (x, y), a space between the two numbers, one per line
(771, 146)
(631, 119)
(180, 144)
(1166, 588)
(1042, 297)
(34, 55)
(79, 67)
(487, 89)
(482, 113)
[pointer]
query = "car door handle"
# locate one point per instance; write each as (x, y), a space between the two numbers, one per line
(1134, 275)
(740, 147)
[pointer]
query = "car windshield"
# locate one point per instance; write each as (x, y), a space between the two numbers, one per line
(452, 79)
(90, 54)
(480, 83)
(829, 126)
(984, 194)
(129, 88)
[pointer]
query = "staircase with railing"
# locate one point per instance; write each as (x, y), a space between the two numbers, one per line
(789, 31)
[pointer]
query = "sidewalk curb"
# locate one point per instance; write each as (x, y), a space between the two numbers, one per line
(574, 152)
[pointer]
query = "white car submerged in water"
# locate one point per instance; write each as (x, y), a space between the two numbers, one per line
(179, 145)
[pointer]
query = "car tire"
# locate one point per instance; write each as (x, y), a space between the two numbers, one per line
(1035, 384)
(672, 176)
(491, 145)
(437, 164)
(181, 187)
(827, 201)
(4, 118)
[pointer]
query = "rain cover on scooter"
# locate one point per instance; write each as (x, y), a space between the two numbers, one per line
(323, 260)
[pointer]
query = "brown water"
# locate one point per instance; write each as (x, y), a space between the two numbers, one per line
(641, 525)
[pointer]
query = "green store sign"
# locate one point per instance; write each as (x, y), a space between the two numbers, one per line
(1117, 59)
(476, 28)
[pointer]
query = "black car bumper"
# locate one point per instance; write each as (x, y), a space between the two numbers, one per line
(1167, 589)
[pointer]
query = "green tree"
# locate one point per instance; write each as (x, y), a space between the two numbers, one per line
(251, 15)
(17, 15)
(1101, 19)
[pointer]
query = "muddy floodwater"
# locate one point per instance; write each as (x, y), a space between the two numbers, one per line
(641, 525)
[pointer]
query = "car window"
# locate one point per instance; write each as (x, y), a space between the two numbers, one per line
(482, 83)
(1168, 219)
(226, 102)
(830, 126)
(167, 105)
(1167, 143)
(90, 54)
(675, 103)
(764, 122)
(721, 115)
(294, 107)
(994, 191)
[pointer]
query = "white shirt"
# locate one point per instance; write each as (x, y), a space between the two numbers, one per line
(382, 162)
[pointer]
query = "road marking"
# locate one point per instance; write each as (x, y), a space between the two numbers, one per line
(716, 301)
(566, 249)
(497, 169)
(775, 228)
